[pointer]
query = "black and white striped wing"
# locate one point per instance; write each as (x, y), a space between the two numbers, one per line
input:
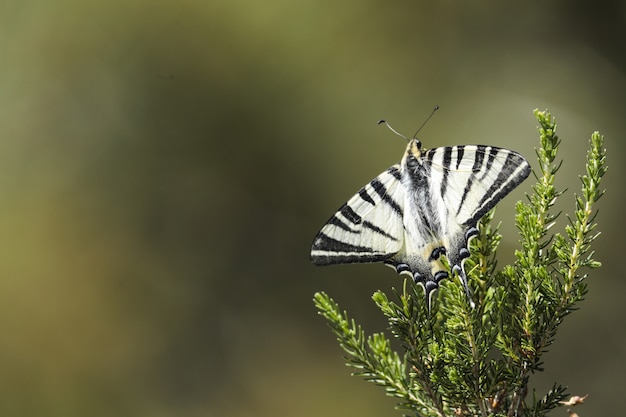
(465, 182)
(368, 228)
(472, 179)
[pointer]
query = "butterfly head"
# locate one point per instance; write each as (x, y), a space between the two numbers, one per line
(414, 148)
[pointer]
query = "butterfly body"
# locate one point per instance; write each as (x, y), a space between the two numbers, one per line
(422, 209)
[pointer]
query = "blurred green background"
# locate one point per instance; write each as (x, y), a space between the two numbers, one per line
(164, 167)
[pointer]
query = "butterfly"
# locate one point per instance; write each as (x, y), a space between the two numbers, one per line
(421, 209)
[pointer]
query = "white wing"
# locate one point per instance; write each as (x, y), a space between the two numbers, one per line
(368, 228)
(472, 179)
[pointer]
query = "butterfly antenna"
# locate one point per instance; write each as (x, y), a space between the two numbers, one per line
(392, 129)
(425, 121)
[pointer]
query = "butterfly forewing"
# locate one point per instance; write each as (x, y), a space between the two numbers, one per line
(472, 179)
(368, 228)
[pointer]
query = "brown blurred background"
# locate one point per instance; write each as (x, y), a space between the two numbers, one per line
(164, 167)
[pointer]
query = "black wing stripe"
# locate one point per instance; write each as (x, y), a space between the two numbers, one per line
(378, 230)
(366, 197)
(493, 152)
(350, 214)
(327, 243)
(468, 187)
(447, 159)
(381, 190)
(336, 221)
(479, 157)
(347, 258)
(395, 172)
(460, 150)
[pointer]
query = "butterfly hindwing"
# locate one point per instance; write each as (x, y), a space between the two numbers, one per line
(368, 228)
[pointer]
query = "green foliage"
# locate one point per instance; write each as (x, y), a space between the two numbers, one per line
(466, 361)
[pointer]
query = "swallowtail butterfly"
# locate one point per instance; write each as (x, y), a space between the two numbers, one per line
(426, 206)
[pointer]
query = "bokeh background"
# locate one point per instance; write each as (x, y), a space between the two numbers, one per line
(164, 166)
